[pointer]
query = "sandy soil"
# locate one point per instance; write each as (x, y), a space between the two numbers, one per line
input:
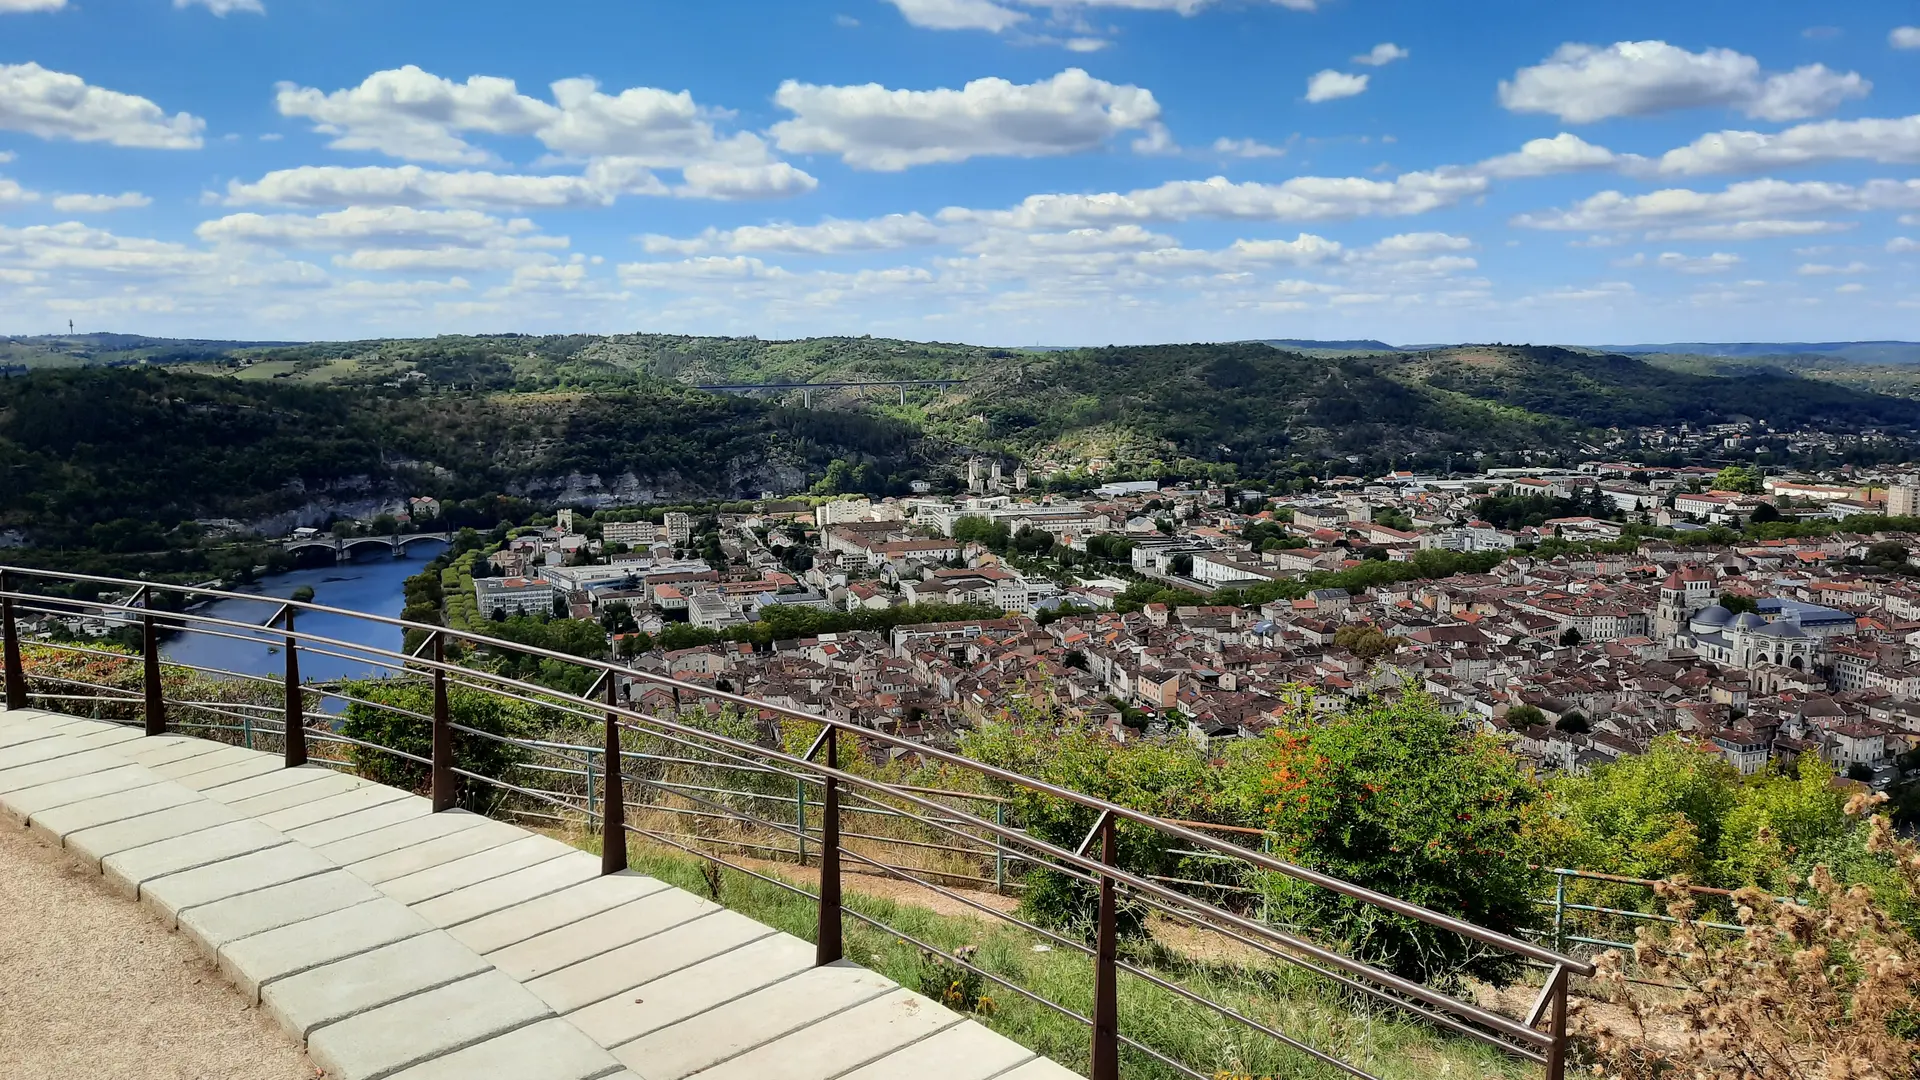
(91, 987)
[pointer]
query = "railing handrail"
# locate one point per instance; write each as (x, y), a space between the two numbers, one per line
(1267, 862)
(1099, 869)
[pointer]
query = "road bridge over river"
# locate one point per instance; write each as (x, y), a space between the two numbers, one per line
(343, 546)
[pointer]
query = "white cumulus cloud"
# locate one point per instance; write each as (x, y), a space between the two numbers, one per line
(411, 185)
(1331, 85)
(1247, 148)
(223, 8)
(1582, 84)
(722, 180)
(388, 226)
(415, 115)
(873, 127)
(1382, 54)
(8, 7)
(1749, 201)
(55, 105)
(1890, 141)
(959, 14)
(830, 237)
(1561, 154)
(1902, 37)
(1303, 198)
(100, 204)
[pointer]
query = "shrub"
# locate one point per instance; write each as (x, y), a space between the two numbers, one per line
(1398, 798)
(1821, 989)
(371, 718)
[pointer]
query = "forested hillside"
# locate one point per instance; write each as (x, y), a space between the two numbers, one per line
(264, 429)
(83, 448)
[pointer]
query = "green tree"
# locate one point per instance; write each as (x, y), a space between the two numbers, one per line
(1738, 478)
(376, 714)
(1570, 637)
(1525, 716)
(1395, 797)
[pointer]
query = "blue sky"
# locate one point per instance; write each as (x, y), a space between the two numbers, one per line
(995, 171)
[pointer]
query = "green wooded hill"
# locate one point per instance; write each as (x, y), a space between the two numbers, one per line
(83, 448)
(261, 429)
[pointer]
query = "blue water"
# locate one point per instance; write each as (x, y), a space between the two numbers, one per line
(370, 584)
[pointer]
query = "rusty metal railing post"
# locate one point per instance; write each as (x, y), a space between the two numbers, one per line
(10, 641)
(1106, 987)
(443, 778)
(150, 651)
(613, 805)
(296, 704)
(829, 945)
(1557, 1026)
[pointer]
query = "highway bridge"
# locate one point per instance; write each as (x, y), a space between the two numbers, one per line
(807, 389)
(342, 546)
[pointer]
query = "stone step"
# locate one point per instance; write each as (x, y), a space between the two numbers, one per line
(381, 1042)
(719, 1034)
(357, 984)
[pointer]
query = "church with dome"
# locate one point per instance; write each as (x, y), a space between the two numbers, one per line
(1689, 616)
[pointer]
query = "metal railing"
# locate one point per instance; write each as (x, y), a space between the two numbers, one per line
(613, 772)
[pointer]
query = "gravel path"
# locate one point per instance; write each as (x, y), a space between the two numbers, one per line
(91, 987)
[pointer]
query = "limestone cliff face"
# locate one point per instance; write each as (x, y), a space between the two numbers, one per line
(363, 497)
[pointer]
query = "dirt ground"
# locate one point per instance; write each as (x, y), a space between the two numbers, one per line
(91, 987)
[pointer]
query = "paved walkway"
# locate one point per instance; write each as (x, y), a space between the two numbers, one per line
(401, 943)
(92, 988)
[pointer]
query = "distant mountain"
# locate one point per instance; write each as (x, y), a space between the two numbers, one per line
(1858, 352)
(1311, 346)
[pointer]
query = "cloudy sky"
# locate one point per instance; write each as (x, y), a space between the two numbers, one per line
(996, 171)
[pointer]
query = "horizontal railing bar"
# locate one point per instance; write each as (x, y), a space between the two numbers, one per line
(722, 745)
(1337, 885)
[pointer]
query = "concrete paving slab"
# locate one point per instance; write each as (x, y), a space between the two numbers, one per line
(691, 991)
(260, 960)
(548, 1050)
(14, 717)
(510, 890)
(726, 1031)
(353, 801)
(127, 871)
(156, 750)
(254, 764)
(412, 1030)
(554, 911)
(37, 750)
(280, 780)
(175, 893)
(212, 925)
(709, 938)
(14, 738)
(65, 767)
(66, 725)
(528, 850)
(327, 786)
(336, 991)
(94, 844)
(221, 755)
(345, 826)
(113, 735)
(53, 825)
(844, 1041)
(965, 1051)
(1041, 1069)
(665, 920)
(399, 837)
(23, 803)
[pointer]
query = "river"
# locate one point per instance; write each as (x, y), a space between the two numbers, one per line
(370, 585)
